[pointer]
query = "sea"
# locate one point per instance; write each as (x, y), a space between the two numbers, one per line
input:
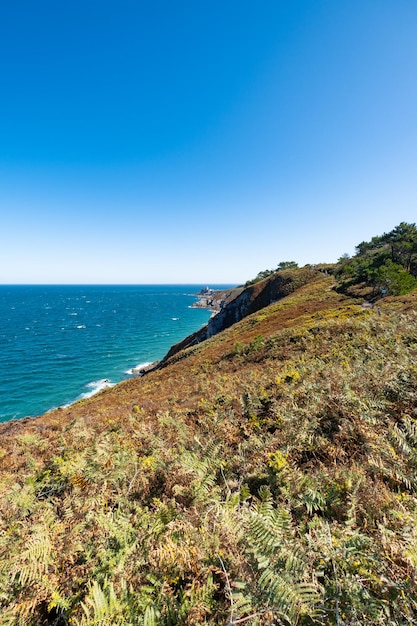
(59, 344)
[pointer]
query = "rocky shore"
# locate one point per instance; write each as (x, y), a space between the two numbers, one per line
(214, 299)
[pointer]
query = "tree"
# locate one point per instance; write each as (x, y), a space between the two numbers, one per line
(387, 262)
(260, 276)
(403, 245)
(393, 279)
(287, 265)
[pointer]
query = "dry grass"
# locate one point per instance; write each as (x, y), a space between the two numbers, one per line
(268, 473)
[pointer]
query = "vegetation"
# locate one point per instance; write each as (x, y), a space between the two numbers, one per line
(267, 475)
(283, 265)
(387, 264)
(287, 265)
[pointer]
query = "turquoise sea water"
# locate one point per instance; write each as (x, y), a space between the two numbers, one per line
(61, 343)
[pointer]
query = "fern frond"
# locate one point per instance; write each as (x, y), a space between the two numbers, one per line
(268, 527)
(150, 617)
(410, 427)
(392, 471)
(399, 439)
(281, 585)
(204, 469)
(288, 599)
(313, 500)
(33, 562)
(102, 607)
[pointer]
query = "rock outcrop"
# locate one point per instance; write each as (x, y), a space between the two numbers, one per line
(238, 303)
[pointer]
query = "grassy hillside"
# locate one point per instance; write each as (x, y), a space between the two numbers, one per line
(264, 476)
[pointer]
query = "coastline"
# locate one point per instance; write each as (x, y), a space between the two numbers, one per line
(80, 340)
(215, 299)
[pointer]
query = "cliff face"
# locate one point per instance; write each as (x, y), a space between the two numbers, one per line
(240, 304)
(258, 296)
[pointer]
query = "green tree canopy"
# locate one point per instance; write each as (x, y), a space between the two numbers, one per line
(287, 265)
(387, 262)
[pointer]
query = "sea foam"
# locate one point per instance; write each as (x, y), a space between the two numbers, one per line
(136, 370)
(95, 386)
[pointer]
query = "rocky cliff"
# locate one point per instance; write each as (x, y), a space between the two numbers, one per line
(239, 303)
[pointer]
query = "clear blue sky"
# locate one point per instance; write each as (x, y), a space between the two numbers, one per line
(167, 142)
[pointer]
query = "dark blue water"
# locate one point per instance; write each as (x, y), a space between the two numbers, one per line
(61, 343)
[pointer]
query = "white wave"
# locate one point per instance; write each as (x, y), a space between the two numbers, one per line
(174, 319)
(95, 386)
(135, 370)
(81, 326)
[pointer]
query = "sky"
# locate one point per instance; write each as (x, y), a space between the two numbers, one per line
(201, 142)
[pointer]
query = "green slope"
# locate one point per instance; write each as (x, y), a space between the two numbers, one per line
(264, 476)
